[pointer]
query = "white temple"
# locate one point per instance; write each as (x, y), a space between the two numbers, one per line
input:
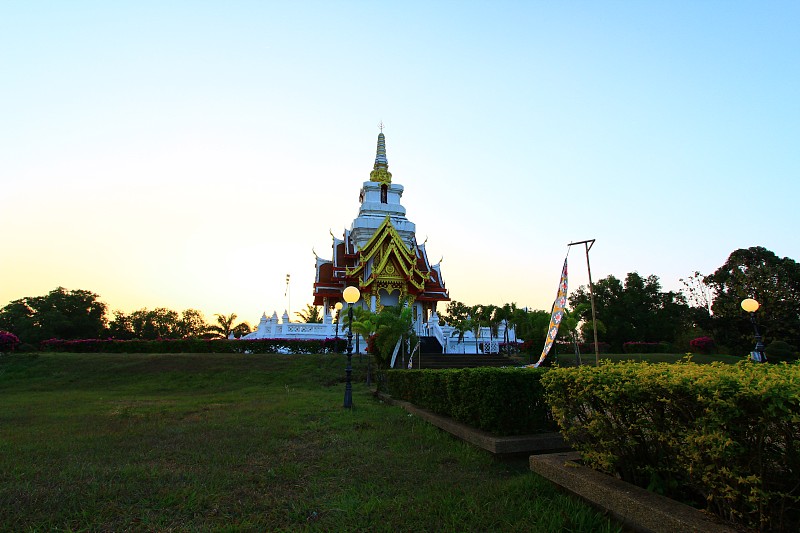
(381, 256)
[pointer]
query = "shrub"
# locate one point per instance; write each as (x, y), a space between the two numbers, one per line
(702, 345)
(503, 401)
(780, 351)
(725, 435)
(8, 341)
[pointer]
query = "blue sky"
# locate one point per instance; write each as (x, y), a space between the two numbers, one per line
(190, 154)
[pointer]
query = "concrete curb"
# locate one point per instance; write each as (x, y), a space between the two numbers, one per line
(636, 508)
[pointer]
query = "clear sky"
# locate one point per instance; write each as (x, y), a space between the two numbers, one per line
(191, 154)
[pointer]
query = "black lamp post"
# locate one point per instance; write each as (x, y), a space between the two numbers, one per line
(751, 306)
(351, 295)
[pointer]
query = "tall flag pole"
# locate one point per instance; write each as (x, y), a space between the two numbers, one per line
(588, 245)
(556, 316)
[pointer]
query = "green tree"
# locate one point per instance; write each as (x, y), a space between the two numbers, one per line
(191, 325)
(503, 316)
(458, 317)
(772, 281)
(474, 321)
(493, 315)
(61, 314)
(531, 325)
(365, 322)
(159, 323)
(637, 310)
(120, 327)
(241, 329)
(570, 328)
(393, 323)
(310, 314)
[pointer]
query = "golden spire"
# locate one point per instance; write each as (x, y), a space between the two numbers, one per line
(380, 171)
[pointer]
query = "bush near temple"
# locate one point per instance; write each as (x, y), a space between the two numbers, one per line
(780, 351)
(8, 341)
(503, 401)
(726, 436)
(702, 345)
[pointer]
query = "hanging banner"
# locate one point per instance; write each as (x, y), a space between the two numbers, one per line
(555, 318)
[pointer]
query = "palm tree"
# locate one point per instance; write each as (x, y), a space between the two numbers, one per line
(310, 315)
(458, 316)
(224, 325)
(365, 322)
(569, 324)
(241, 329)
(475, 323)
(493, 320)
(503, 315)
(395, 323)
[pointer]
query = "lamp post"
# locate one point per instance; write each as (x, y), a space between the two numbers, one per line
(338, 308)
(751, 306)
(351, 295)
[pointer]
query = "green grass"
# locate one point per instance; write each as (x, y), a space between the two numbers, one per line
(244, 443)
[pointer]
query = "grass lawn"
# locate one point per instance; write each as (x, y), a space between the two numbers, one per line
(254, 443)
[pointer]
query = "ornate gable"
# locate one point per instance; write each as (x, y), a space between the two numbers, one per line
(386, 263)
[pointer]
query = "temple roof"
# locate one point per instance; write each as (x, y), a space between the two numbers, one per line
(379, 253)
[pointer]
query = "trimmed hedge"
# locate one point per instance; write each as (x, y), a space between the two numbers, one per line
(726, 435)
(503, 401)
(195, 346)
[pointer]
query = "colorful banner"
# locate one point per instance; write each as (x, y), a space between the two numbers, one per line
(555, 318)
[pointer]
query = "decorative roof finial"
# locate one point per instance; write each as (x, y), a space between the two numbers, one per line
(380, 171)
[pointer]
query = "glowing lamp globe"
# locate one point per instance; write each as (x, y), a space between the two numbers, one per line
(750, 305)
(351, 294)
(338, 306)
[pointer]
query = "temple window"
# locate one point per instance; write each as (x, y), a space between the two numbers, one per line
(384, 193)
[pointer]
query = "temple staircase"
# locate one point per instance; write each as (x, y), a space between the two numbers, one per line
(431, 357)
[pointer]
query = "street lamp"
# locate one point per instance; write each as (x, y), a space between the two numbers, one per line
(338, 308)
(351, 295)
(751, 306)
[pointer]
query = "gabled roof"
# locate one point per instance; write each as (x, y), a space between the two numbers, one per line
(385, 252)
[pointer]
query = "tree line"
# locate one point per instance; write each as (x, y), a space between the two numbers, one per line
(637, 309)
(79, 314)
(634, 309)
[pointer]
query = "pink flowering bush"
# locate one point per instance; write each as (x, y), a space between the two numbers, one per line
(702, 345)
(8, 341)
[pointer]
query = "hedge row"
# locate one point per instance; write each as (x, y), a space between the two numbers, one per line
(729, 436)
(503, 401)
(195, 346)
